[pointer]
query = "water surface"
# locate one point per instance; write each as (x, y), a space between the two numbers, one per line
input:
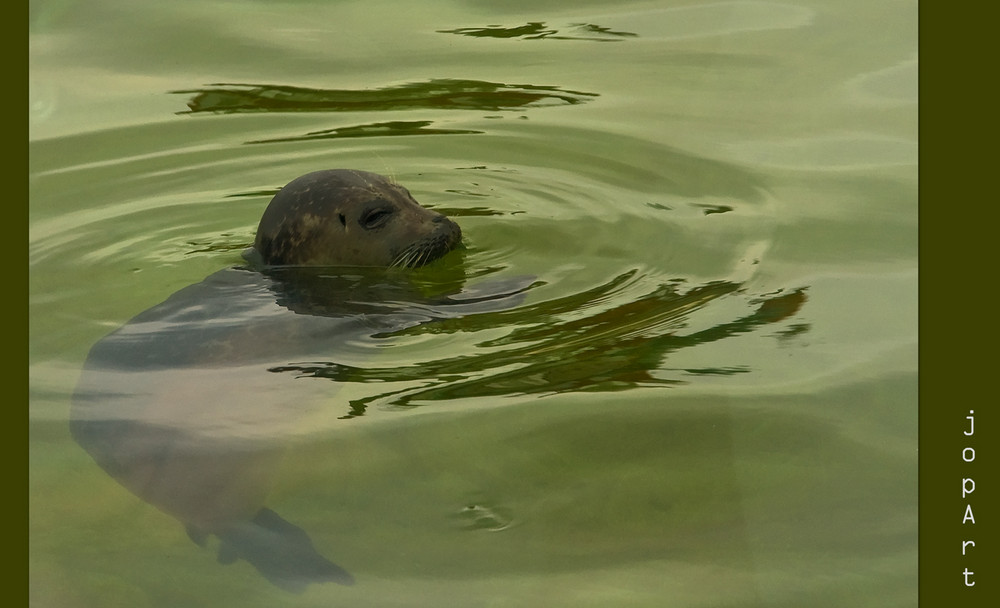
(704, 392)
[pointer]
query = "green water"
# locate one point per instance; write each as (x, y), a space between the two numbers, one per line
(709, 398)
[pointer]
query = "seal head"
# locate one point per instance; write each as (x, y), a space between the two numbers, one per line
(342, 217)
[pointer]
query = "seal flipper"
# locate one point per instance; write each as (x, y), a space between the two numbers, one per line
(282, 552)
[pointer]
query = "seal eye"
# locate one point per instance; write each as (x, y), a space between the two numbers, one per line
(374, 218)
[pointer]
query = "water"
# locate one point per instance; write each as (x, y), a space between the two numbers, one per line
(705, 392)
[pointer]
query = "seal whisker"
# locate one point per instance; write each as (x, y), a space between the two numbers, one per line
(406, 257)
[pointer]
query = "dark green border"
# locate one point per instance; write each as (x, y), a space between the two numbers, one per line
(15, 251)
(958, 308)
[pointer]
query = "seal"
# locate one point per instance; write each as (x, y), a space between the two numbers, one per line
(343, 217)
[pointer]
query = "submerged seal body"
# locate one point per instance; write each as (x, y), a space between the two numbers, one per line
(342, 217)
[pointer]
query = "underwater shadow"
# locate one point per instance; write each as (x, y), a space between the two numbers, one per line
(178, 407)
(192, 404)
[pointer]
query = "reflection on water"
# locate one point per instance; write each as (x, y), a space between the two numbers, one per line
(451, 94)
(713, 19)
(377, 129)
(537, 30)
(618, 348)
(894, 85)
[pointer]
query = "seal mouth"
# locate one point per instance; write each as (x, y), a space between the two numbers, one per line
(426, 250)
